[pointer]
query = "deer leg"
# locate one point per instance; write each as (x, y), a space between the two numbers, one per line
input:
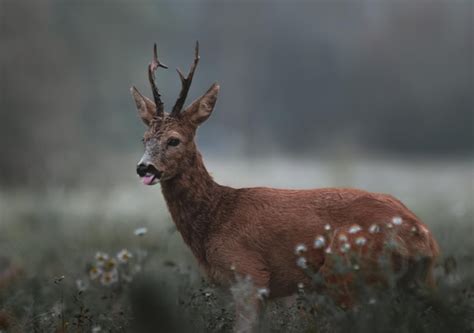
(250, 288)
(247, 315)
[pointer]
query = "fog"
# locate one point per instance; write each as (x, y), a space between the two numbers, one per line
(300, 80)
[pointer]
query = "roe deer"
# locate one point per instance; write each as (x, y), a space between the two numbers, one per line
(273, 236)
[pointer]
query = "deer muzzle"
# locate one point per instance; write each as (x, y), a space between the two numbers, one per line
(148, 173)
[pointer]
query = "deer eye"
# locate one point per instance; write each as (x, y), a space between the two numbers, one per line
(173, 142)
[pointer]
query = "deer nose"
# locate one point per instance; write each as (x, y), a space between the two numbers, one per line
(144, 168)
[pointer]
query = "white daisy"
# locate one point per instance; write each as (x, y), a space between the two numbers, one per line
(302, 263)
(319, 242)
(355, 228)
(374, 228)
(140, 231)
(360, 241)
(124, 256)
(300, 248)
(263, 293)
(397, 220)
(109, 278)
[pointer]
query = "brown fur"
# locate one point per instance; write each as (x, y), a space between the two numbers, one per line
(254, 231)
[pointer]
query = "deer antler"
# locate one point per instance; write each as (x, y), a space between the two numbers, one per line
(152, 67)
(185, 83)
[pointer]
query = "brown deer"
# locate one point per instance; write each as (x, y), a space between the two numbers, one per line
(272, 236)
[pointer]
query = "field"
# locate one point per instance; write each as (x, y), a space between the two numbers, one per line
(53, 236)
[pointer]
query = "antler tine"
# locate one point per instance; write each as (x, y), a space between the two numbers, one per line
(185, 83)
(152, 67)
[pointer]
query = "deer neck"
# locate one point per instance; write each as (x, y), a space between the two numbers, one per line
(192, 198)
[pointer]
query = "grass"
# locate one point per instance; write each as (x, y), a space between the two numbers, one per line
(53, 238)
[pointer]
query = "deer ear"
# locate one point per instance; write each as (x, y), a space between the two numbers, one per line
(146, 108)
(201, 109)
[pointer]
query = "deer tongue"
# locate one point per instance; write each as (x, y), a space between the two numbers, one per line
(148, 179)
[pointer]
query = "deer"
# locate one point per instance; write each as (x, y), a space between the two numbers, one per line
(271, 236)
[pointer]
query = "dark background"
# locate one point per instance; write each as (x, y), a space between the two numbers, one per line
(299, 79)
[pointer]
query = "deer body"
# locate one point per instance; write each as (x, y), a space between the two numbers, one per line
(254, 231)
(270, 235)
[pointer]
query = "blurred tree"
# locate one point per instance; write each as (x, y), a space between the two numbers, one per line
(391, 77)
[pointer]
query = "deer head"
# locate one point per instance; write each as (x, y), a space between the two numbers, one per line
(169, 138)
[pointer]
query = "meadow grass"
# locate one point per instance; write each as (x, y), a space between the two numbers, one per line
(54, 237)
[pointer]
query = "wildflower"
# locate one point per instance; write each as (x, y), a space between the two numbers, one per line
(263, 293)
(101, 257)
(342, 238)
(345, 247)
(302, 263)
(300, 248)
(124, 256)
(81, 285)
(140, 231)
(327, 227)
(95, 272)
(110, 265)
(355, 228)
(319, 242)
(397, 220)
(109, 278)
(374, 229)
(360, 241)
